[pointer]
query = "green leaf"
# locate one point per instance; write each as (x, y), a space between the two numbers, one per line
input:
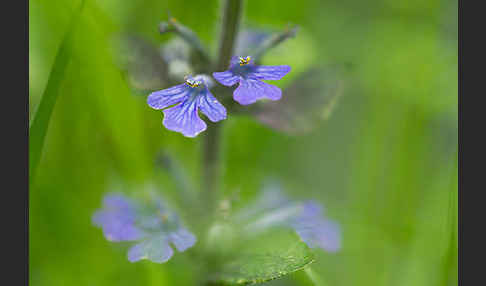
(268, 257)
(40, 123)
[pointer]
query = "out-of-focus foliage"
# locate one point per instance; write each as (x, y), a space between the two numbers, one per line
(384, 163)
(143, 64)
(267, 258)
(40, 123)
(307, 101)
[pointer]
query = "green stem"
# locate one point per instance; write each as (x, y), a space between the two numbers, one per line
(167, 164)
(212, 137)
(211, 161)
(314, 277)
(274, 41)
(187, 35)
(230, 22)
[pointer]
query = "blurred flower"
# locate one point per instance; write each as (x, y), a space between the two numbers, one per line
(117, 219)
(151, 224)
(273, 209)
(142, 65)
(175, 49)
(249, 76)
(189, 97)
(176, 53)
(306, 102)
(316, 230)
(249, 40)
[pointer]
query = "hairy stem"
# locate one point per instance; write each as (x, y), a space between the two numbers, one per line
(212, 138)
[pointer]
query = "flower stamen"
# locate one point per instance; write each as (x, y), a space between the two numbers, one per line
(164, 217)
(193, 83)
(245, 61)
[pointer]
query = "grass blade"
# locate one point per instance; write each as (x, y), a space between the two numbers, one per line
(40, 123)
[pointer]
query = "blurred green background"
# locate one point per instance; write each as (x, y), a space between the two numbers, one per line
(384, 164)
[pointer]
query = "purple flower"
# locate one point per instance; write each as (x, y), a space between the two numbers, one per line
(249, 40)
(188, 98)
(117, 219)
(273, 209)
(249, 76)
(152, 225)
(315, 229)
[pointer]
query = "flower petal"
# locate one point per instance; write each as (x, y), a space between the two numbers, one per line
(276, 217)
(315, 230)
(250, 90)
(235, 62)
(206, 79)
(321, 233)
(311, 209)
(150, 222)
(117, 225)
(226, 78)
(270, 199)
(269, 72)
(211, 107)
(117, 219)
(249, 40)
(117, 201)
(167, 97)
(184, 118)
(182, 239)
(156, 249)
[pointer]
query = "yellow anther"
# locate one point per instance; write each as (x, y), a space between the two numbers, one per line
(244, 61)
(163, 217)
(192, 83)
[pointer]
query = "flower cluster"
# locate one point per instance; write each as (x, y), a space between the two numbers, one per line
(151, 224)
(306, 218)
(182, 102)
(154, 229)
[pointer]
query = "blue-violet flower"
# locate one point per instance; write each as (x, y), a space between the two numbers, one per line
(249, 40)
(306, 218)
(151, 224)
(249, 76)
(188, 98)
